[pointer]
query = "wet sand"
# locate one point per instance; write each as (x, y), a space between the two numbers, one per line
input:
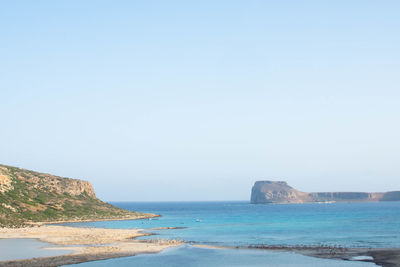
(87, 244)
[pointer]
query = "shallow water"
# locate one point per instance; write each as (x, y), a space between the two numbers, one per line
(26, 248)
(193, 256)
(240, 223)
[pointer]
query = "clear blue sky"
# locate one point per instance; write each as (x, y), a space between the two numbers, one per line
(195, 100)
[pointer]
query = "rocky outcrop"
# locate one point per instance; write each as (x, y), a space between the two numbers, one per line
(43, 181)
(280, 192)
(5, 182)
(276, 192)
(77, 187)
(73, 187)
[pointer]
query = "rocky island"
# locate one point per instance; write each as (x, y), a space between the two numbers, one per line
(280, 192)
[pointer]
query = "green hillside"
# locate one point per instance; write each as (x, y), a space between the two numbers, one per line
(28, 196)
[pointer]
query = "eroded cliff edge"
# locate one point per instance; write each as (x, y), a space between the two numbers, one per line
(280, 192)
(27, 196)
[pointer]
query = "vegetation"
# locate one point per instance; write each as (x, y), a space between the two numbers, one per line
(27, 196)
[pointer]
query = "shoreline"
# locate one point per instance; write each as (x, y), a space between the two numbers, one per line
(139, 217)
(385, 257)
(86, 244)
(92, 243)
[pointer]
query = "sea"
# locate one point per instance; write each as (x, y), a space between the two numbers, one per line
(26, 248)
(239, 223)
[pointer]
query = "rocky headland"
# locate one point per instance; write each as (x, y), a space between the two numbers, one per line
(280, 192)
(28, 197)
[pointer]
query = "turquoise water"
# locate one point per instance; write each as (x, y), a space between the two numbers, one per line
(26, 248)
(240, 223)
(189, 256)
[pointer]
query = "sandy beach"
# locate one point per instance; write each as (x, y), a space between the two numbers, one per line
(87, 244)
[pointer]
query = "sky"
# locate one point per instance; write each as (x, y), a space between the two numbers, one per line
(196, 100)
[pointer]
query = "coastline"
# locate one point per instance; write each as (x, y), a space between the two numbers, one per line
(385, 257)
(86, 244)
(119, 218)
(92, 244)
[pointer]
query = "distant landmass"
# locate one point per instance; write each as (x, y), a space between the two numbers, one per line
(28, 196)
(264, 192)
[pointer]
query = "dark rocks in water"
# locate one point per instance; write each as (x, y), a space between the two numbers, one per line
(280, 192)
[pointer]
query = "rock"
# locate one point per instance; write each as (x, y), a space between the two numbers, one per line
(280, 192)
(276, 192)
(5, 182)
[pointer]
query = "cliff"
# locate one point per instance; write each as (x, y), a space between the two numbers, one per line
(28, 196)
(280, 192)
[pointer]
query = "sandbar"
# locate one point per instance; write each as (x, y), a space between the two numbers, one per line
(87, 244)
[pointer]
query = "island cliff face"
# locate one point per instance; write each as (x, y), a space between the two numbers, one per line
(280, 192)
(28, 196)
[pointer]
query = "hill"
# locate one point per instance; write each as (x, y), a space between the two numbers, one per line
(27, 196)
